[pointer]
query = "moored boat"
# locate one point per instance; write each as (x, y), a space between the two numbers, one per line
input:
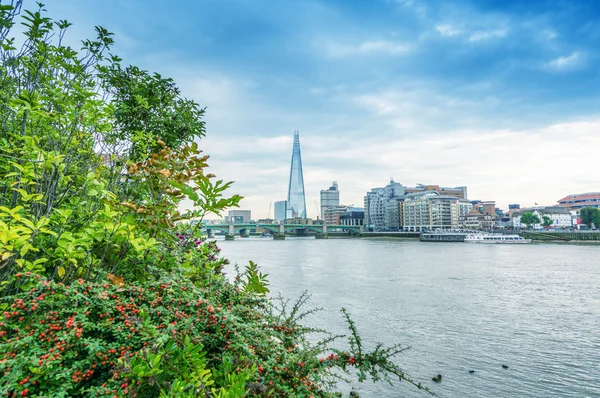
(446, 235)
(496, 238)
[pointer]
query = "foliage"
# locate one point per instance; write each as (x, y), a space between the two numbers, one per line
(529, 219)
(86, 211)
(107, 286)
(546, 221)
(149, 106)
(589, 216)
(256, 282)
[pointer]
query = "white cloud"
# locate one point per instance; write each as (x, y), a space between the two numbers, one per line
(483, 35)
(567, 62)
(337, 50)
(447, 30)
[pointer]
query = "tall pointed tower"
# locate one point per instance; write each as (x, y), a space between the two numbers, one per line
(296, 202)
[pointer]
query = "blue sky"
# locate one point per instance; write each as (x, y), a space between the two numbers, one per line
(501, 96)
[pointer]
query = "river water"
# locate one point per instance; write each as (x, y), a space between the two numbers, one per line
(461, 307)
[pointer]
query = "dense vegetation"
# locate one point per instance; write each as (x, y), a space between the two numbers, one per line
(590, 216)
(107, 286)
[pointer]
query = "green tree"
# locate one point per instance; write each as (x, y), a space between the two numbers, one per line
(589, 216)
(69, 188)
(529, 219)
(148, 107)
(596, 219)
(546, 221)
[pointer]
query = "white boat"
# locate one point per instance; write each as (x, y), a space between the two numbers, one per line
(495, 238)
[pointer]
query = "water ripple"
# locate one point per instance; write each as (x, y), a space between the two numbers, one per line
(535, 308)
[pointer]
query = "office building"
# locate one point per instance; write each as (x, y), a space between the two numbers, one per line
(296, 201)
(238, 216)
(329, 198)
(384, 207)
(280, 210)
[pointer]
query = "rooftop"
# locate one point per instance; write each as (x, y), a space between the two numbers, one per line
(581, 196)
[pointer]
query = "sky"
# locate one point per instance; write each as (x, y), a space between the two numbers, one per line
(501, 96)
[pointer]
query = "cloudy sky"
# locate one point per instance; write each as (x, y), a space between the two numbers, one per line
(502, 96)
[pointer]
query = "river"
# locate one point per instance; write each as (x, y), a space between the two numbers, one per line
(461, 307)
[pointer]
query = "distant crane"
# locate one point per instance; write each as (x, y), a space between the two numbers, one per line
(269, 213)
(317, 207)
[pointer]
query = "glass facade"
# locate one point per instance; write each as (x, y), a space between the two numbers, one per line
(280, 210)
(296, 203)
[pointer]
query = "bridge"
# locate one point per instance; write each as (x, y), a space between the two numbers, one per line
(278, 231)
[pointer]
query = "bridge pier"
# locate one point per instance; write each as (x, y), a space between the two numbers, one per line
(324, 234)
(281, 234)
(230, 233)
(209, 233)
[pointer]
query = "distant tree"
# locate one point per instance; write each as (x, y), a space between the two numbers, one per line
(589, 216)
(546, 221)
(529, 219)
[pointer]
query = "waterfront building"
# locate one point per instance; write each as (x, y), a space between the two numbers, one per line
(353, 216)
(489, 208)
(376, 205)
(329, 198)
(280, 210)
(394, 216)
(331, 215)
(561, 217)
(296, 201)
(344, 215)
(464, 207)
(579, 201)
(476, 219)
(384, 207)
(428, 210)
(238, 216)
(369, 197)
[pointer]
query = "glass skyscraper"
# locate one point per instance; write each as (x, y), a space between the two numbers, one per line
(296, 202)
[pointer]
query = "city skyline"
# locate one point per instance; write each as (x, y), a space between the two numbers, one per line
(501, 99)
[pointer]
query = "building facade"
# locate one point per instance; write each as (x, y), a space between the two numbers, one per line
(476, 219)
(331, 215)
(296, 201)
(385, 207)
(280, 210)
(238, 216)
(376, 205)
(329, 198)
(561, 217)
(353, 216)
(579, 201)
(428, 210)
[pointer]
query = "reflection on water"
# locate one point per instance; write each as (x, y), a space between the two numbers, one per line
(535, 308)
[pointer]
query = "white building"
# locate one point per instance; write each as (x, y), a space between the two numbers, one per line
(560, 216)
(426, 211)
(329, 198)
